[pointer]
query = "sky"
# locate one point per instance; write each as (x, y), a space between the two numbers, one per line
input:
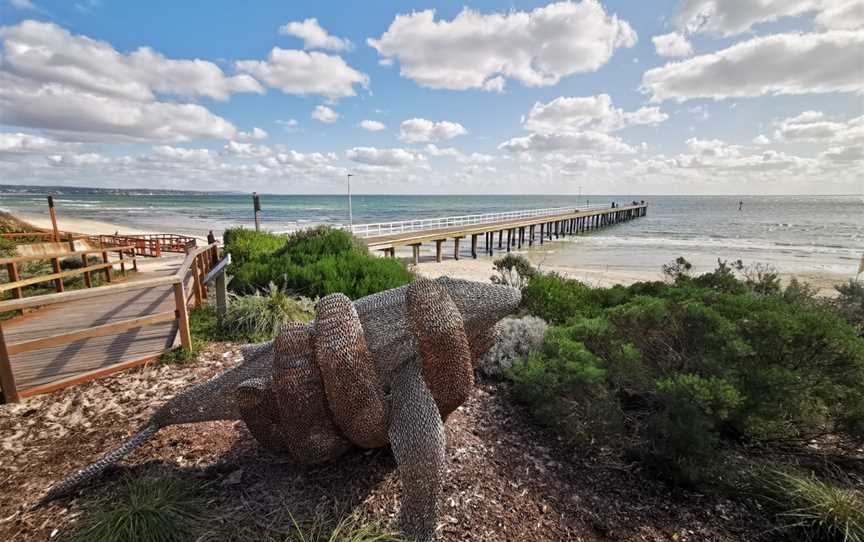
(613, 97)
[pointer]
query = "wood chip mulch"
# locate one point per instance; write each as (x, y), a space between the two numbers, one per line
(508, 479)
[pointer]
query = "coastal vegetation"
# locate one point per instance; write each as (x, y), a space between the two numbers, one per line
(699, 377)
(311, 263)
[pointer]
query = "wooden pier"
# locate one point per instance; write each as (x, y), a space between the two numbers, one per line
(511, 231)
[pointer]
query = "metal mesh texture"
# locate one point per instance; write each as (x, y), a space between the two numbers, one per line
(388, 368)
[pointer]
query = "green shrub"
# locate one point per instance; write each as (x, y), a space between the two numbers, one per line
(260, 316)
(7, 248)
(164, 509)
(850, 303)
(513, 270)
(685, 370)
(311, 263)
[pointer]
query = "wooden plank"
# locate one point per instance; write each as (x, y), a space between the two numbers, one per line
(7, 377)
(89, 375)
(50, 299)
(96, 331)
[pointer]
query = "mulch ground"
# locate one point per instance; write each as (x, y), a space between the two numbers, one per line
(507, 479)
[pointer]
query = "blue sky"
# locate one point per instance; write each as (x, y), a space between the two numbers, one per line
(744, 97)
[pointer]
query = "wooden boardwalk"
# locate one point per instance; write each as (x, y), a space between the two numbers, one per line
(53, 364)
(80, 335)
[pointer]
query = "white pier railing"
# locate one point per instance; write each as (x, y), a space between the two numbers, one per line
(402, 226)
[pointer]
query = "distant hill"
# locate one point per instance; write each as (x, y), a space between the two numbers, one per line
(60, 190)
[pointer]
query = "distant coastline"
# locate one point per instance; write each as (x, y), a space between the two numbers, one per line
(21, 190)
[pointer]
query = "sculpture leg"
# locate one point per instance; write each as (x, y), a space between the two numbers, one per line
(305, 424)
(354, 392)
(443, 345)
(417, 437)
(257, 407)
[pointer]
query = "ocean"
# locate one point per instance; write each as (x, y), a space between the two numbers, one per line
(796, 234)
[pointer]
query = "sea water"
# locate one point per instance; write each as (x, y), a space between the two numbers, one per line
(819, 234)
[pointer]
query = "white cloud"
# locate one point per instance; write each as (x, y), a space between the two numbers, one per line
(313, 36)
(76, 160)
(288, 125)
(847, 154)
(814, 127)
(79, 115)
(841, 15)
(182, 154)
(450, 152)
(255, 134)
(385, 157)
(324, 114)
(584, 142)
(777, 64)
(22, 4)
(84, 89)
(594, 113)
(422, 130)
(713, 148)
(303, 73)
(761, 140)
(19, 143)
(300, 160)
(731, 17)
(372, 125)
(246, 150)
(672, 45)
(476, 50)
(48, 53)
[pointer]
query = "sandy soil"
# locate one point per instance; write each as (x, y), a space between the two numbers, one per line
(79, 225)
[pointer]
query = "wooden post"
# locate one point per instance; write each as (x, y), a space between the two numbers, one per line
(53, 214)
(491, 242)
(196, 282)
(456, 247)
(256, 204)
(474, 245)
(438, 243)
(58, 283)
(12, 268)
(519, 237)
(500, 235)
(107, 269)
(202, 269)
(508, 239)
(221, 296)
(182, 316)
(7, 378)
(122, 263)
(416, 253)
(214, 251)
(83, 261)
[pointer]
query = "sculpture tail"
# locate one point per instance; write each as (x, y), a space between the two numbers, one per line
(88, 473)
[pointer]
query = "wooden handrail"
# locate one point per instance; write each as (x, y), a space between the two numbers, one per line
(190, 258)
(19, 259)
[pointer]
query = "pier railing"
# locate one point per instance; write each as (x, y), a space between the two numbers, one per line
(403, 226)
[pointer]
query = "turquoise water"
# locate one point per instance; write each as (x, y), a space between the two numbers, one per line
(799, 233)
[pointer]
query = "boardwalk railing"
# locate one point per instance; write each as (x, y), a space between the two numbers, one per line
(403, 226)
(126, 255)
(188, 284)
(151, 244)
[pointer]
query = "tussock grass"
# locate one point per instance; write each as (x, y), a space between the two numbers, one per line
(814, 509)
(146, 509)
(260, 316)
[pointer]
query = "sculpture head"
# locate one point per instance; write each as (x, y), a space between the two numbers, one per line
(481, 304)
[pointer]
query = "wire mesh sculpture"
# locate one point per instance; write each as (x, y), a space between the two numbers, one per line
(386, 369)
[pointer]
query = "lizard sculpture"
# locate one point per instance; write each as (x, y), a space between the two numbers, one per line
(386, 369)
